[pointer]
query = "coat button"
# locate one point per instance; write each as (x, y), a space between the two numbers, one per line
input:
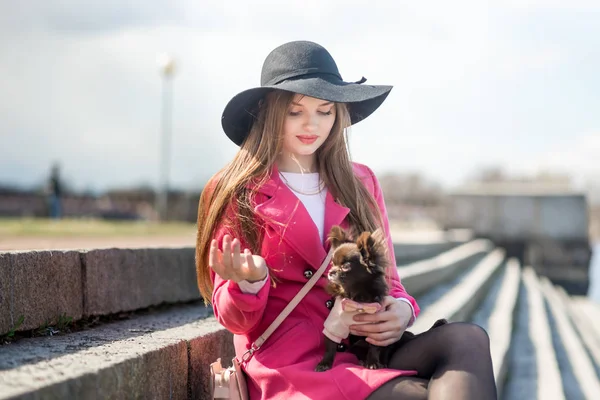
(341, 347)
(329, 304)
(308, 274)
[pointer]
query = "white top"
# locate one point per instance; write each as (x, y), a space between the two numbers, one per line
(300, 185)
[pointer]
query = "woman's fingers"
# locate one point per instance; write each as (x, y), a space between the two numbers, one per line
(236, 262)
(256, 267)
(368, 329)
(227, 251)
(378, 334)
(212, 254)
(215, 260)
(232, 263)
(249, 260)
(380, 337)
(384, 342)
(382, 316)
(248, 264)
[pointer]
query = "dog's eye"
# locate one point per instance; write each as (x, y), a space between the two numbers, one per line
(346, 267)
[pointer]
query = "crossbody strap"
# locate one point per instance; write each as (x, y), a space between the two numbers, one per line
(288, 309)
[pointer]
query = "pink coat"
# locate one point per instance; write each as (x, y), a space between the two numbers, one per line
(284, 367)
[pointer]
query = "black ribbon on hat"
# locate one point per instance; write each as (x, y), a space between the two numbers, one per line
(362, 80)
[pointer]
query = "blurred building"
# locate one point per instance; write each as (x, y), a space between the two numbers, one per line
(544, 224)
(129, 204)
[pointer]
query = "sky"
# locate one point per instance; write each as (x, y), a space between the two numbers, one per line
(475, 85)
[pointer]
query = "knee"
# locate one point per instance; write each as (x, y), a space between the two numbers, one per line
(466, 336)
(404, 387)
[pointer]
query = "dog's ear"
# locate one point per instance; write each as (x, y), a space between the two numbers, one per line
(378, 235)
(366, 246)
(337, 236)
(373, 249)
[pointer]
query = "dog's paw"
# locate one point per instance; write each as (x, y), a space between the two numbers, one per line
(322, 367)
(373, 365)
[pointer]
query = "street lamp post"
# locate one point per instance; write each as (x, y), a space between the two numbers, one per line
(166, 63)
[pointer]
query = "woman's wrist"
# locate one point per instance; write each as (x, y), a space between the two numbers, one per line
(408, 305)
(252, 287)
(259, 279)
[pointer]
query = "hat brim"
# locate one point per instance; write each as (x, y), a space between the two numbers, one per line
(362, 100)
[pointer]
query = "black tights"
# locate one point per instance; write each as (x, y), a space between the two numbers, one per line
(453, 362)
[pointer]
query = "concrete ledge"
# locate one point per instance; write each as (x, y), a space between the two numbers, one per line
(582, 366)
(414, 246)
(43, 285)
(412, 252)
(423, 275)
(459, 303)
(582, 324)
(40, 286)
(590, 310)
(501, 322)
(549, 382)
(203, 350)
(162, 355)
(125, 279)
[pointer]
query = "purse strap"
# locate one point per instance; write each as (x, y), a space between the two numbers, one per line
(288, 309)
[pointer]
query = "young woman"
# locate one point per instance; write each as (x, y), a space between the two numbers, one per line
(262, 227)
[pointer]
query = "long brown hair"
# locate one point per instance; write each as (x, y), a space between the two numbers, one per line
(253, 164)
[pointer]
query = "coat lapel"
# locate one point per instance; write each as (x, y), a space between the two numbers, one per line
(334, 215)
(288, 217)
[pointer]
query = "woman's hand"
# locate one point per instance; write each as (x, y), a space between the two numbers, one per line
(385, 327)
(232, 265)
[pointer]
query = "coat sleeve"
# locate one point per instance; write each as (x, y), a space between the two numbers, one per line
(396, 288)
(237, 311)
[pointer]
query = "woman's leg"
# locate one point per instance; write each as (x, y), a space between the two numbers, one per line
(402, 388)
(456, 360)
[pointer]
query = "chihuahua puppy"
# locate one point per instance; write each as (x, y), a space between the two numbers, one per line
(357, 279)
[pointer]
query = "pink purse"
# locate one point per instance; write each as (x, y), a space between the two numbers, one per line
(230, 383)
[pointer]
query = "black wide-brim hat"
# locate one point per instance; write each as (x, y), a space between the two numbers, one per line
(308, 69)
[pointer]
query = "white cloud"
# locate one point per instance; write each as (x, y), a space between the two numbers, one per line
(552, 4)
(82, 83)
(576, 156)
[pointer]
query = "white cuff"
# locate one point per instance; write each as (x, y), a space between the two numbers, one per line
(254, 287)
(412, 321)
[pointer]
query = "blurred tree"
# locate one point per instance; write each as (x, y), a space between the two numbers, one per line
(490, 174)
(410, 189)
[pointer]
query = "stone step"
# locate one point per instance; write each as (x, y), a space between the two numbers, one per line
(586, 384)
(414, 246)
(160, 355)
(41, 286)
(591, 311)
(420, 276)
(548, 380)
(521, 377)
(119, 357)
(500, 323)
(584, 328)
(165, 354)
(460, 302)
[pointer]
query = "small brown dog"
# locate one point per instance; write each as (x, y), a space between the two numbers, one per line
(357, 279)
